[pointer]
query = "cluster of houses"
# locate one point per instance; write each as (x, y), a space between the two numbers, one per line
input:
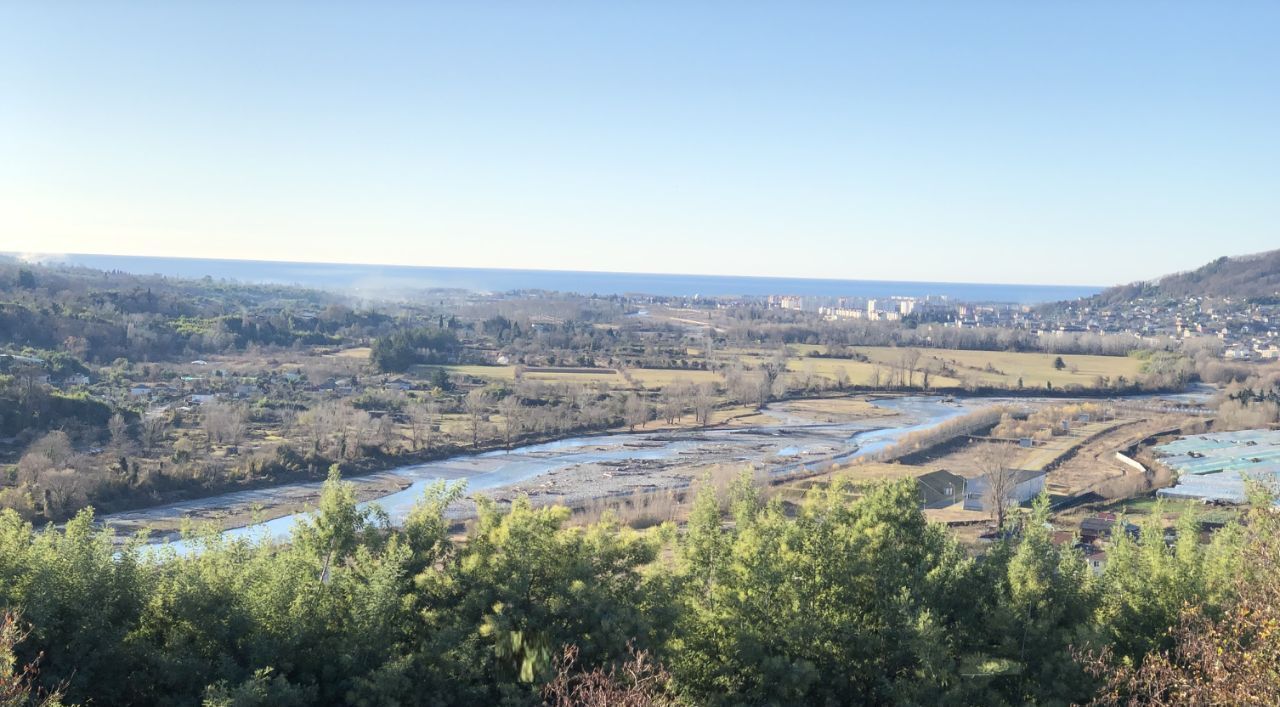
(875, 309)
(1248, 330)
(1093, 536)
(943, 489)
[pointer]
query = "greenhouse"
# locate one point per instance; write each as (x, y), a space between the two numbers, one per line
(1215, 465)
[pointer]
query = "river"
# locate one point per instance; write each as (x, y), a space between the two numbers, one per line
(793, 443)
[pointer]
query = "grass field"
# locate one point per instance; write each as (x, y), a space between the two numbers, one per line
(360, 353)
(660, 377)
(997, 368)
(988, 367)
(858, 372)
(490, 373)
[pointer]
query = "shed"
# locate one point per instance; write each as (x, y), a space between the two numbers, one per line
(939, 489)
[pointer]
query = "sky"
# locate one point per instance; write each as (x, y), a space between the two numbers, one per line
(1079, 142)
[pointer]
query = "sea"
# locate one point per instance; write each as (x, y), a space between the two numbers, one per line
(375, 278)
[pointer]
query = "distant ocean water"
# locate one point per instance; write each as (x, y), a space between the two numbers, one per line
(383, 277)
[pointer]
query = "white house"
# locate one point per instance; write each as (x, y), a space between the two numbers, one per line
(1026, 486)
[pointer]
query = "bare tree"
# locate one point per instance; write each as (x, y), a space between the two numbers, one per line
(154, 429)
(704, 401)
(773, 371)
(357, 431)
(636, 411)
(19, 681)
(225, 423)
(49, 453)
(999, 477)
(119, 430)
(54, 446)
(318, 424)
(808, 376)
(910, 360)
(674, 398)
(422, 421)
(640, 682)
(385, 433)
(512, 418)
(476, 405)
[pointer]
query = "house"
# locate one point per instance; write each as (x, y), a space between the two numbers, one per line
(1097, 560)
(1026, 486)
(1098, 526)
(76, 379)
(1101, 526)
(940, 489)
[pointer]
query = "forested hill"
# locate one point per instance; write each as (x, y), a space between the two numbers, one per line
(1249, 276)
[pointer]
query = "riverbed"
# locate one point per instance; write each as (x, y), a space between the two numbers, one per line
(571, 470)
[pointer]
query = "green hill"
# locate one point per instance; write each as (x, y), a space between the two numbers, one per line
(1250, 276)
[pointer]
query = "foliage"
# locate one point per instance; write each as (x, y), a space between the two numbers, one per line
(837, 600)
(403, 348)
(1211, 657)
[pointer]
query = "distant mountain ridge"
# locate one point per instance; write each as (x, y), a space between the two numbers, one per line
(1246, 276)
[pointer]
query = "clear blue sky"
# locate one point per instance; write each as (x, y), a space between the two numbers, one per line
(1067, 142)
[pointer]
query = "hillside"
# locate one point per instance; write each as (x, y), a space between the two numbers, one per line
(1249, 276)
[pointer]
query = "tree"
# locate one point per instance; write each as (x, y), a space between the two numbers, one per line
(1051, 595)
(1214, 655)
(339, 526)
(849, 602)
(512, 413)
(423, 418)
(18, 681)
(773, 372)
(674, 399)
(995, 468)
(640, 683)
(520, 589)
(49, 452)
(224, 423)
(402, 349)
(119, 430)
(910, 360)
(704, 402)
(1148, 582)
(476, 405)
(637, 411)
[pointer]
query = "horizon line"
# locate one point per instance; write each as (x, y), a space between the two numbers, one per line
(31, 255)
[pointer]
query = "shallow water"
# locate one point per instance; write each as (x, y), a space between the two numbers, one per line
(777, 447)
